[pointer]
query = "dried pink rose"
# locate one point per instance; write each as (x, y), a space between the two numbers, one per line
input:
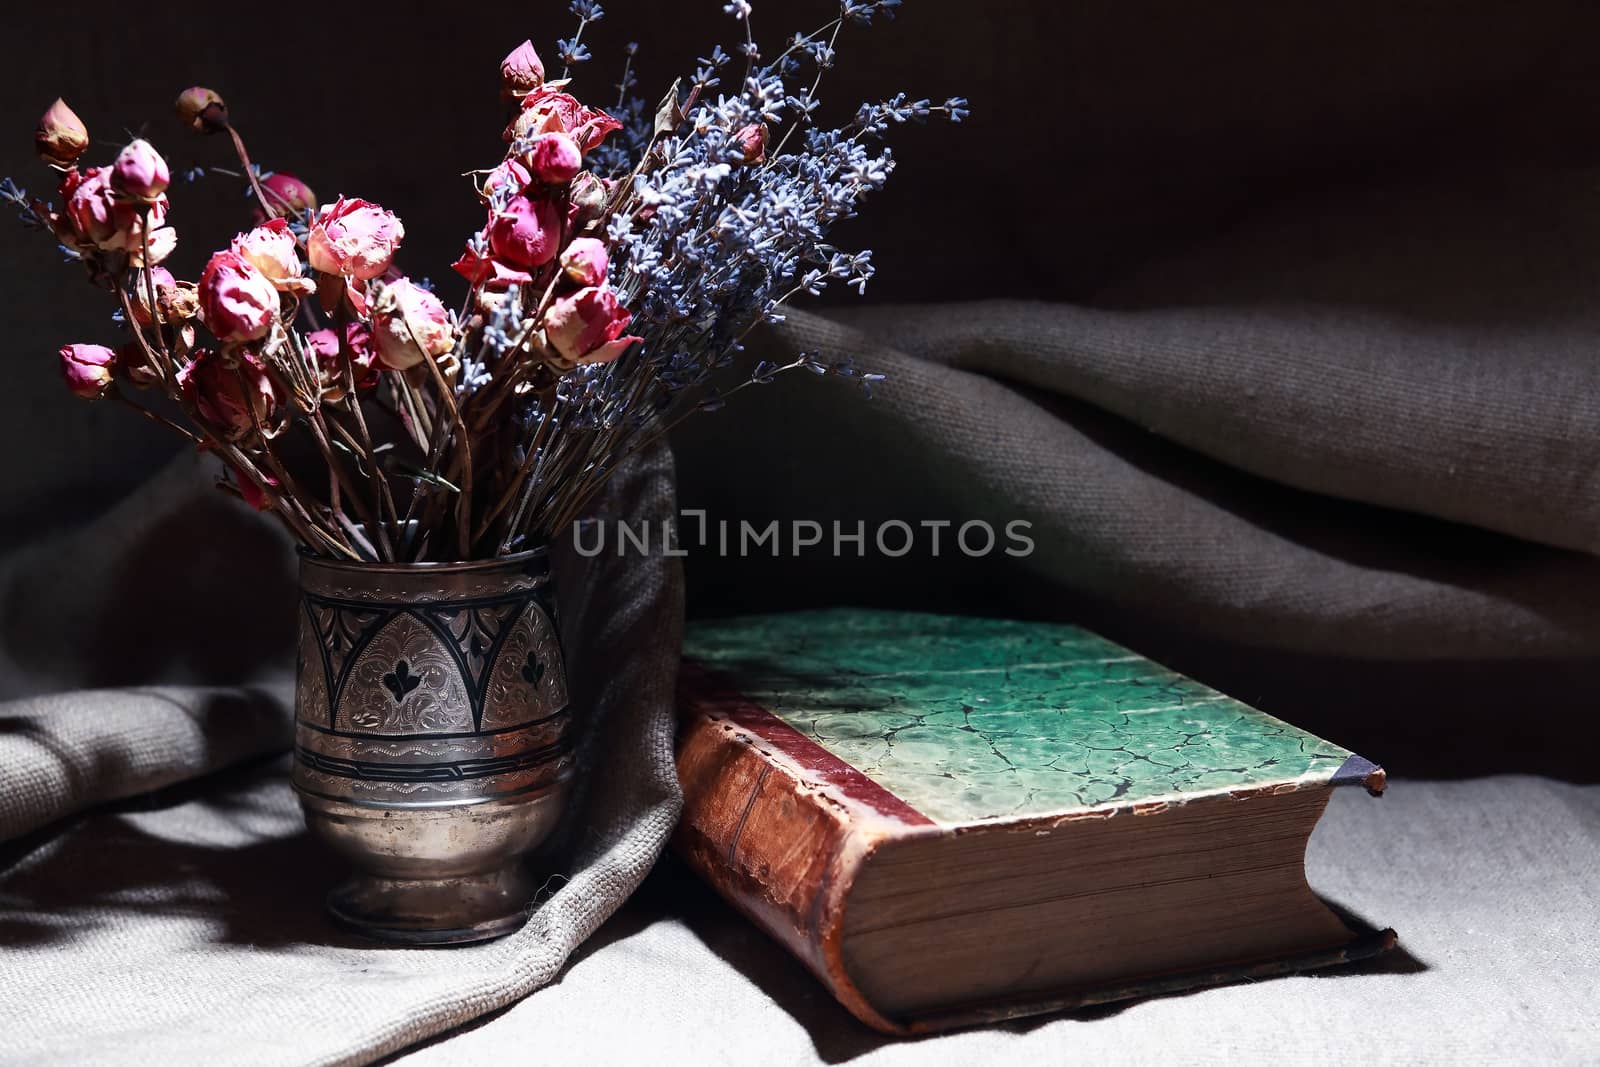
(61, 136)
(585, 261)
(270, 248)
(139, 172)
(354, 238)
(555, 159)
(752, 142)
(508, 179)
(232, 396)
(287, 194)
(237, 302)
(330, 363)
(90, 207)
(162, 242)
(586, 327)
(88, 369)
(409, 324)
(521, 71)
(99, 218)
(525, 233)
(547, 110)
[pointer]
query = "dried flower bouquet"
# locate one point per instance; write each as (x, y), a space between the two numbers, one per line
(622, 262)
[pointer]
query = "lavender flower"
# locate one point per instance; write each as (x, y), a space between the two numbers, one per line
(707, 243)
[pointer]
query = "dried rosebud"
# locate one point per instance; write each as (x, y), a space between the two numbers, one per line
(202, 110)
(354, 238)
(587, 196)
(237, 302)
(61, 136)
(231, 396)
(271, 250)
(139, 172)
(752, 142)
(88, 369)
(521, 71)
(555, 159)
(586, 327)
(584, 261)
(162, 279)
(525, 232)
(409, 324)
(330, 364)
(287, 194)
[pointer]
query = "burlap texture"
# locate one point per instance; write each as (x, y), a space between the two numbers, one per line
(186, 927)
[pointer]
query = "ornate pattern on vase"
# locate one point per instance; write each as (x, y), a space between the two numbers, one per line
(407, 691)
(528, 674)
(311, 678)
(429, 669)
(405, 682)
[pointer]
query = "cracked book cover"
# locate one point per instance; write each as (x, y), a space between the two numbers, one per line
(952, 820)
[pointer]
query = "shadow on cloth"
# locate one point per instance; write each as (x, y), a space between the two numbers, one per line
(264, 893)
(672, 891)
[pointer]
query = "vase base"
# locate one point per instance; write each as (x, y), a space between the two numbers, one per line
(435, 911)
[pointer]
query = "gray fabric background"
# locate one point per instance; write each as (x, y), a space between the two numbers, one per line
(1279, 324)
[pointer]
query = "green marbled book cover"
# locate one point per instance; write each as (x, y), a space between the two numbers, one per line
(974, 720)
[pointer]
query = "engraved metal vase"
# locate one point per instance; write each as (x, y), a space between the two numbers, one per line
(433, 739)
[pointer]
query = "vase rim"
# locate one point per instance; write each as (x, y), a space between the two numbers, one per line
(363, 566)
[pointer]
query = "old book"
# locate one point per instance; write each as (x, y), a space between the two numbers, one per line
(957, 820)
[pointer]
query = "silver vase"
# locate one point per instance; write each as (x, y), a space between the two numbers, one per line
(433, 739)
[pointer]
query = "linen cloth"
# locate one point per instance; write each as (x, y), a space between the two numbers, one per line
(1493, 885)
(191, 931)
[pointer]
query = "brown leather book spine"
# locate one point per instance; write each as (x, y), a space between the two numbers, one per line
(780, 827)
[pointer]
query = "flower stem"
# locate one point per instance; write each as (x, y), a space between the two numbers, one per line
(250, 174)
(162, 420)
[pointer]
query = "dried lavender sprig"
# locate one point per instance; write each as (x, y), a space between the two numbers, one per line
(571, 49)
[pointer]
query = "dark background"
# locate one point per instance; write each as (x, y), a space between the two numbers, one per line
(1107, 141)
(1104, 135)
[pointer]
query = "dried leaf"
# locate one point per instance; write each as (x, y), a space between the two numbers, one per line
(669, 116)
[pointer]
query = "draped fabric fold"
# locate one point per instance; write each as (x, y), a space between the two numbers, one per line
(1362, 420)
(187, 926)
